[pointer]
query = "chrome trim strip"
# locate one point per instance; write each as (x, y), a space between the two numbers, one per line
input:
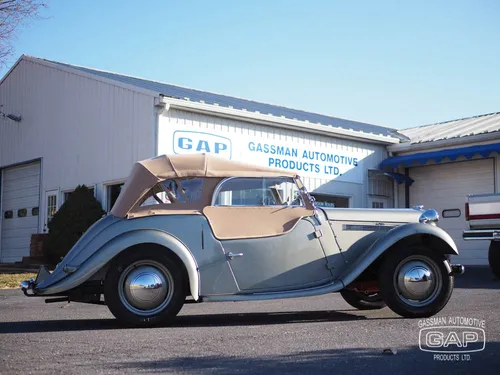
(218, 188)
(480, 238)
(481, 234)
(472, 231)
(482, 195)
(366, 228)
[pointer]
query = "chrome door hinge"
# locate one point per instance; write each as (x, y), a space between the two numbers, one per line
(318, 233)
(330, 265)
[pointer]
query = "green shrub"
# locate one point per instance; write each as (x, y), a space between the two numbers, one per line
(74, 217)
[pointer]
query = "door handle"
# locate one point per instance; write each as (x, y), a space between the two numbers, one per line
(230, 255)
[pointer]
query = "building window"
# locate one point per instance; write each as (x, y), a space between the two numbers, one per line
(380, 186)
(51, 207)
(8, 214)
(67, 194)
(23, 212)
(113, 191)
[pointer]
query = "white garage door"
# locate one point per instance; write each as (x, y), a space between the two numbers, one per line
(20, 194)
(445, 187)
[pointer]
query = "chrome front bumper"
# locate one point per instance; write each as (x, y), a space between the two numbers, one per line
(31, 284)
(481, 234)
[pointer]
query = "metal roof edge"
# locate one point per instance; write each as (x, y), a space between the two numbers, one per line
(22, 57)
(78, 67)
(70, 68)
(448, 121)
(415, 147)
(394, 138)
(267, 119)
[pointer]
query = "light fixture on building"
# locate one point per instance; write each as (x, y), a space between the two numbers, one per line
(11, 116)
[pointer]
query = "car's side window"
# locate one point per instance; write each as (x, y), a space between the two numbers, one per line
(251, 191)
(186, 190)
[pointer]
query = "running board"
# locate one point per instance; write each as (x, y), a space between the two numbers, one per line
(324, 289)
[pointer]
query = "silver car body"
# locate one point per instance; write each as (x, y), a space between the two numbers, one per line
(323, 252)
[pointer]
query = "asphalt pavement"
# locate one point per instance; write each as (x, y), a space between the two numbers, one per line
(316, 335)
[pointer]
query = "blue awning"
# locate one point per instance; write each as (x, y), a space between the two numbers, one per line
(399, 178)
(439, 156)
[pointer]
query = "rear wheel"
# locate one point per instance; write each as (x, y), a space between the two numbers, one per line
(144, 287)
(363, 301)
(414, 282)
(494, 258)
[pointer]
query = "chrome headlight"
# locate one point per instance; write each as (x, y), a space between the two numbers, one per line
(430, 216)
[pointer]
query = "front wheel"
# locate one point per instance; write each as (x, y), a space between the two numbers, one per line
(494, 258)
(363, 301)
(144, 287)
(414, 282)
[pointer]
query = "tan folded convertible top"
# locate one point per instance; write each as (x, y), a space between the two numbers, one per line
(147, 173)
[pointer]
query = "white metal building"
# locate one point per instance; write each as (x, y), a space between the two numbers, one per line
(448, 161)
(64, 125)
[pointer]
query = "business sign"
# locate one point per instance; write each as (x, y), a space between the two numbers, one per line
(191, 142)
(305, 160)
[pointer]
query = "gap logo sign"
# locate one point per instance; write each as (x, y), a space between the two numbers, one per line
(190, 142)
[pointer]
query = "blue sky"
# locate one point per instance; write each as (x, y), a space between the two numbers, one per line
(391, 63)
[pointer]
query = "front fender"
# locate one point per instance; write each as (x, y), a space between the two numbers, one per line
(412, 231)
(116, 246)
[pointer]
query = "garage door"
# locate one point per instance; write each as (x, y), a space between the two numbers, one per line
(20, 194)
(445, 187)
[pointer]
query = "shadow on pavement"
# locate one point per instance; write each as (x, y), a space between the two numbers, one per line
(332, 361)
(209, 320)
(477, 277)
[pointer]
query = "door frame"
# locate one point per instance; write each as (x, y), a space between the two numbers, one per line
(1, 208)
(47, 193)
(2, 173)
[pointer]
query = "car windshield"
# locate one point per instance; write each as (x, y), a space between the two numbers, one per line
(279, 191)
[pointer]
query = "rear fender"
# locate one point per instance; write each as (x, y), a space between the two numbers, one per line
(431, 235)
(113, 248)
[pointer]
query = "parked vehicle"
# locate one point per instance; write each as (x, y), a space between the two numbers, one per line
(200, 228)
(482, 213)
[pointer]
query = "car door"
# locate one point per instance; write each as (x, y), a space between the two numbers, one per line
(271, 240)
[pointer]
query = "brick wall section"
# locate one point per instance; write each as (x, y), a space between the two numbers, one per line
(36, 245)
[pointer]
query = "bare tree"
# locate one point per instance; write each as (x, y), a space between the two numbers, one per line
(14, 14)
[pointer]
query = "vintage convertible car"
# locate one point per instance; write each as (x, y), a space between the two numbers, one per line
(199, 228)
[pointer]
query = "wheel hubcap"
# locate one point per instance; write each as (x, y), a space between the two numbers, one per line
(146, 287)
(418, 281)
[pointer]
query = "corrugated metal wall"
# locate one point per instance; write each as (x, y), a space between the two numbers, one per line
(85, 131)
(372, 154)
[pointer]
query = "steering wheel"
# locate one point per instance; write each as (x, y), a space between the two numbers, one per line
(268, 201)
